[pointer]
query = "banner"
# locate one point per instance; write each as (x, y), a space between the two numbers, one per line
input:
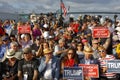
(90, 70)
(113, 66)
(24, 29)
(73, 73)
(100, 32)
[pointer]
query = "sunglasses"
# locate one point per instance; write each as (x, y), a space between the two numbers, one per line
(101, 51)
(70, 53)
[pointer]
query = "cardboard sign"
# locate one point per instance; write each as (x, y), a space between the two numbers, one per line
(24, 29)
(100, 32)
(73, 73)
(113, 66)
(90, 70)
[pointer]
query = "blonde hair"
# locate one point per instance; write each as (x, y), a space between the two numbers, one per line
(101, 48)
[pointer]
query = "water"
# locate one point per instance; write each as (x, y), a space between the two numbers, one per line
(17, 17)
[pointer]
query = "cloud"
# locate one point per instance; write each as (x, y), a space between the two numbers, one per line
(27, 6)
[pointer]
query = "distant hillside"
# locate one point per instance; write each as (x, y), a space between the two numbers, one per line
(13, 16)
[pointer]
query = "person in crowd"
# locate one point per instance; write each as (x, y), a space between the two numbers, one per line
(28, 66)
(36, 31)
(1, 70)
(89, 59)
(44, 45)
(26, 41)
(60, 49)
(49, 67)
(104, 57)
(10, 66)
(35, 46)
(6, 25)
(13, 38)
(51, 43)
(14, 30)
(73, 44)
(95, 45)
(4, 46)
(115, 43)
(79, 50)
(14, 46)
(86, 32)
(69, 60)
(85, 43)
(2, 31)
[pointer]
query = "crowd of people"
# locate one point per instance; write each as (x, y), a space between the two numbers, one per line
(52, 44)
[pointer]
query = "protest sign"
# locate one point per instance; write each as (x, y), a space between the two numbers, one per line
(113, 66)
(24, 29)
(73, 73)
(100, 32)
(90, 70)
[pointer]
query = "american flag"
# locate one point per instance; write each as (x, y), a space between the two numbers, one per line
(64, 8)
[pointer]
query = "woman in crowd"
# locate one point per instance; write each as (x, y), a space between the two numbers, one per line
(79, 51)
(36, 31)
(104, 57)
(44, 45)
(69, 60)
(26, 41)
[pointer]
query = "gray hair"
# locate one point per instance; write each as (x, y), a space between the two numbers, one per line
(14, 43)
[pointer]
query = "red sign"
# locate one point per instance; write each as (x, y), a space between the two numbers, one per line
(24, 29)
(100, 32)
(90, 70)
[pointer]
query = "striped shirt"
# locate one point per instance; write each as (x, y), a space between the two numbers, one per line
(103, 64)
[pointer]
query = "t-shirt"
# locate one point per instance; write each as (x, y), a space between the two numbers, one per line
(28, 67)
(48, 72)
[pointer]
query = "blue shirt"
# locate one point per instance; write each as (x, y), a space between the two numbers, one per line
(3, 49)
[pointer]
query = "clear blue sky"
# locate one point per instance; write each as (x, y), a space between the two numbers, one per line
(27, 6)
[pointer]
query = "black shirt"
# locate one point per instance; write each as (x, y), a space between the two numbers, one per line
(28, 67)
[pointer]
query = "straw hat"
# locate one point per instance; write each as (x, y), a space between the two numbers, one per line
(11, 53)
(88, 50)
(47, 51)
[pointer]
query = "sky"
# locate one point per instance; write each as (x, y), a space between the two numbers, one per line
(44, 6)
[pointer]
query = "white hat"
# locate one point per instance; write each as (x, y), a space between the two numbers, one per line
(115, 38)
(46, 34)
(22, 36)
(117, 28)
(45, 26)
(11, 53)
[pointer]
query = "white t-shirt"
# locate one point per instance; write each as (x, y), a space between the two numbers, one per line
(48, 72)
(46, 34)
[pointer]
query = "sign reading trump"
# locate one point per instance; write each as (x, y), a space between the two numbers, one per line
(113, 66)
(73, 73)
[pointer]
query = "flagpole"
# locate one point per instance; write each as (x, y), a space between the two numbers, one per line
(60, 7)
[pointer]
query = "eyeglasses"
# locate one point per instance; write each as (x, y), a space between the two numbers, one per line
(101, 51)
